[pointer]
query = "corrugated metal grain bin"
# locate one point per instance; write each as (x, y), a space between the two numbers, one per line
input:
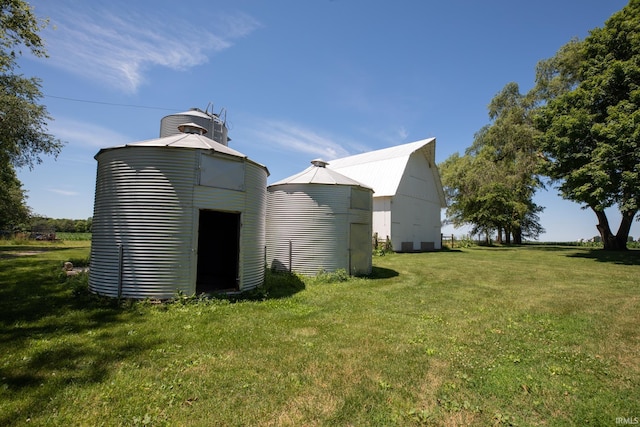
(216, 128)
(319, 220)
(180, 213)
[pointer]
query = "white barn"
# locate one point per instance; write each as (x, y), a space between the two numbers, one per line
(408, 194)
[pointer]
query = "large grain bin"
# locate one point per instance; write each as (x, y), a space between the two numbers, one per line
(181, 213)
(319, 220)
(216, 127)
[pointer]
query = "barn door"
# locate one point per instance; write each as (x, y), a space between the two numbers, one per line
(359, 249)
(218, 251)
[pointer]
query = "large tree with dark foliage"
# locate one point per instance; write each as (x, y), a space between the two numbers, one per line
(491, 187)
(590, 121)
(23, 121)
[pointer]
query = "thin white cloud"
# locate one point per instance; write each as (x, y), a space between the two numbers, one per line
(86, 135)
(297, 138)
(119, 50)
(64, 192)
(402, 133)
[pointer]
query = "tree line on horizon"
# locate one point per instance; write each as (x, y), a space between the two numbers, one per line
(577, 129)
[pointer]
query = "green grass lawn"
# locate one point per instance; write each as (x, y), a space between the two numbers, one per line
(533, 335)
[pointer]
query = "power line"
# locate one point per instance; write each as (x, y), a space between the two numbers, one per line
(110, 103)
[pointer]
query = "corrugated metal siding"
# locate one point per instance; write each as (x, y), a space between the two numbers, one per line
(316, 220)
(252, 237)
(147, 201)
(143, 202)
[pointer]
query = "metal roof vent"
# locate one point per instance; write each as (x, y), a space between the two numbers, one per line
(192, 128)
(319, 163)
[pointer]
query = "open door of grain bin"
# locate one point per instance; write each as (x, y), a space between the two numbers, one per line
(218, 251)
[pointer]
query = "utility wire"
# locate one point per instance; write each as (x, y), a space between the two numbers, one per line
(110, 103)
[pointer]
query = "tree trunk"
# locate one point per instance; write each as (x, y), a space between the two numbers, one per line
(517, 236)
(499, 237)
(622, 236)
(617, 242)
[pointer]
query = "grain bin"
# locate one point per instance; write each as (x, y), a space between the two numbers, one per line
(215, 125)
(319, 220)
(181, 213)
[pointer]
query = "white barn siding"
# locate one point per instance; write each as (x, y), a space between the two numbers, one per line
(382, 217)
(416, 208)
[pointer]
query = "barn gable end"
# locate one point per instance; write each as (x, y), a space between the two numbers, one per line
(408, 194)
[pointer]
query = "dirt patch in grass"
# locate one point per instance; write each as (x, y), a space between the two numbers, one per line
(19, 254)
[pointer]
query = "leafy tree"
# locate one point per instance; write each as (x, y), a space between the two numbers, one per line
(590, 121)
(23, 122)
(13, 210)
(492, 185)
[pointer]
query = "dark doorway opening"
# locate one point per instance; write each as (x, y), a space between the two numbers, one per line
(218, 251)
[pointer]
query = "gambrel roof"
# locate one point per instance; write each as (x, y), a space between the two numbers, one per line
(383, 169)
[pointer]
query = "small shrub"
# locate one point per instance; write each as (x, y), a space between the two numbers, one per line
(381, 248)
(339, 275)
(465, 242)
(79, 284)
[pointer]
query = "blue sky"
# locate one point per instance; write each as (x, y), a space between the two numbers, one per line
(297, 79)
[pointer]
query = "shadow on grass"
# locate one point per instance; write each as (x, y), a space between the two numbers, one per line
(446, 249)
(282, 284)
(19, 251)
(549, 248)
(44, 326)
(382, 273)
(629, 257)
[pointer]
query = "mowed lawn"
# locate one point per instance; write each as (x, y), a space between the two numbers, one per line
(532, 335)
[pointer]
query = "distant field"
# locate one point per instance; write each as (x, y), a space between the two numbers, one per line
(533, 335)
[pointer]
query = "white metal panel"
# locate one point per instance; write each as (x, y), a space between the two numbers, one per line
(222, 172)
(360, 237)
(361, 199)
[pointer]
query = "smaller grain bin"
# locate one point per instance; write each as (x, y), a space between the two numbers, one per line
(319, 220)
(181, 213)
(216, 127)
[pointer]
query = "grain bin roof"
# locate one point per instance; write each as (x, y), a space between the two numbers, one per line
(184, 140)
(315, 174)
